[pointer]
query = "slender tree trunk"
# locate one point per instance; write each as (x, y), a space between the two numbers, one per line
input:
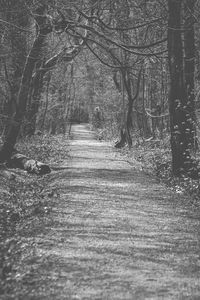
(47, 101)
(145, 125)
(181, 125)
(128, 121)
(161, 122)
(131, 100)
(38, 82)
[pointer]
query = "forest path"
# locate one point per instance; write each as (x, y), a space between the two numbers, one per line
(116, 233)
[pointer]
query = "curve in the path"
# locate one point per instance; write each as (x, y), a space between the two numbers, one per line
(117, 233)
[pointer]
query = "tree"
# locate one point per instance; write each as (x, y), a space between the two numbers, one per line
(181, 99)
(44, 26)
(14, 17)
(32, 58)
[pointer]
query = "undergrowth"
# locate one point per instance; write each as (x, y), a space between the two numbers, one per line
(153, 156)
(26, 202)
(23, 208)
(45, 148)
(155, 159)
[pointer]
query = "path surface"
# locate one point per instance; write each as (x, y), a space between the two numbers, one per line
(116, 233)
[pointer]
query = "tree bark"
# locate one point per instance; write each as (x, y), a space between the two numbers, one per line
(14, 13)
(33, 103)
(17, 119)
(189, 64)
(128, 121)
(22, 98)
(182, 128)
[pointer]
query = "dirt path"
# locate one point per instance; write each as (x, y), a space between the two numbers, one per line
(115, 233)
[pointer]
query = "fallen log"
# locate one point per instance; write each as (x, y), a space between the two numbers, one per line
(18, 160)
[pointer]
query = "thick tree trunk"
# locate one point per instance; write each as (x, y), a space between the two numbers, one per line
(14, 13)
(33, 57)
(16, 122)
(122, 142)
(34, 102)
(189, 64)
(181, 125)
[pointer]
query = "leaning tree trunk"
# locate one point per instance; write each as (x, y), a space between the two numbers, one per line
(181, 125)
(13, 67)
(44, 27)
(16, 122)
(22, 98)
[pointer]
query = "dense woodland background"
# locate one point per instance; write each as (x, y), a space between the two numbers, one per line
(131, 68)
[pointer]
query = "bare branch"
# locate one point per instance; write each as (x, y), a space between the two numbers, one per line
(13, 25)
(90, 18)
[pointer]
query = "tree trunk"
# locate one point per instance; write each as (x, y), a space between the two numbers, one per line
(17, 119)
(181, 125)
(13, 66)
(22, 98)
(47, 101)
(145, 125)
(128, 125)
(189, 56)
(131, 98)
(34, 102)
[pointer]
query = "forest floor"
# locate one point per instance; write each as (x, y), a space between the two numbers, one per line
(100, 228)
